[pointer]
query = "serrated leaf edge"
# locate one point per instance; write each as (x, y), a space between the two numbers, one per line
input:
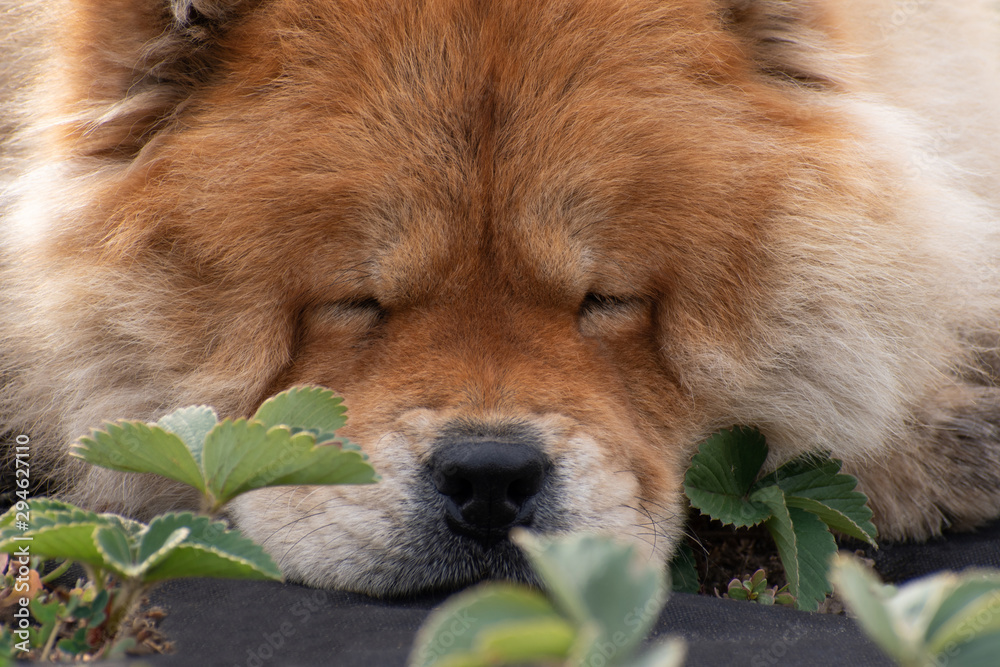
(802, 503)
(136, 570)
(235, 558)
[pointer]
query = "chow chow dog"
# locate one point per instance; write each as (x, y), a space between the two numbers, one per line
(542, 248)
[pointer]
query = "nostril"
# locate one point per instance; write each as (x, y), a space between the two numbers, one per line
(452, 483)
(520, 490)
(488, 485)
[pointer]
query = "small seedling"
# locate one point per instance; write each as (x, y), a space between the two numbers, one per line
(945, 619)
(754, 589)
(798, 503)
(600, 602)
(136, 555)
(82, 611)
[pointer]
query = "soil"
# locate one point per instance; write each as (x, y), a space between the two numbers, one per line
(724, 553)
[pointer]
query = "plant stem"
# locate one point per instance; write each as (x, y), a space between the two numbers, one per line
(95, 576)
(58, 572)
(50, 642)
(122, 604)
(209, 505)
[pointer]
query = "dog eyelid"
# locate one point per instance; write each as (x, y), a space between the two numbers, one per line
(367, 303)
(367, 307)
(595, 302)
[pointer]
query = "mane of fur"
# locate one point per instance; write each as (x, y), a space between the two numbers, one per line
(873, 307)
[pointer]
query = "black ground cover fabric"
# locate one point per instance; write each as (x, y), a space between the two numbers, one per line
(256, 624)
(260, 624)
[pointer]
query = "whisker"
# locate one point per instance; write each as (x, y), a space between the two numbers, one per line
(299, 541)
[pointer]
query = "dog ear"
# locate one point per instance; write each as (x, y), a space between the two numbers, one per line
(121, 67)
(791, 41)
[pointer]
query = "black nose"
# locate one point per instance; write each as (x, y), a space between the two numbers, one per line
(489, 486)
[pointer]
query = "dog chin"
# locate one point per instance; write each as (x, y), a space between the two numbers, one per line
(321, 538)
(396, 538)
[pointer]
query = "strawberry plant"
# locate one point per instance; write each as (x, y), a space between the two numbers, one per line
(598, 602)
(754, 589)
(289, 440)
(944, 619)
(798, 504)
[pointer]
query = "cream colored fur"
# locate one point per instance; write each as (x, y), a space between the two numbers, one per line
(876, 340)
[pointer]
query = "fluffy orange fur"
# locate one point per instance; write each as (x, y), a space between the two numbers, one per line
(621, 225)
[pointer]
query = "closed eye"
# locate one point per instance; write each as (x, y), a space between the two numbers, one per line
(595, 303)
(602, 315)
(366, 312)
(368, 303)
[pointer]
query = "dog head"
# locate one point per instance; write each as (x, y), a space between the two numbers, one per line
(528, 243)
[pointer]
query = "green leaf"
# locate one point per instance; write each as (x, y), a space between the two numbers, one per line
(670, 653)
(93, 613)
(813, 547)
(159, 540)
(60, 533)
(452, 634)
(132, 558)
(208, 550)
(978, 651)
(76, 644)
(758, 581)
(40, 506)
(327, 464)
(46, 509)
(816, 485)
(7, 647)
(722, 473)
(785, 598)
(309, 408)
(970, 609)
(191, 425)
(44, 612)
(607, 586)
(946, 618)
(804, 545)
(172, 546)
(737, 591)
(139, 447)
(524, 641)
(236, 451)
(684, 570)
(867, 599)
(834, 518)
(113, 543)
(47, 616)
(241, 456)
